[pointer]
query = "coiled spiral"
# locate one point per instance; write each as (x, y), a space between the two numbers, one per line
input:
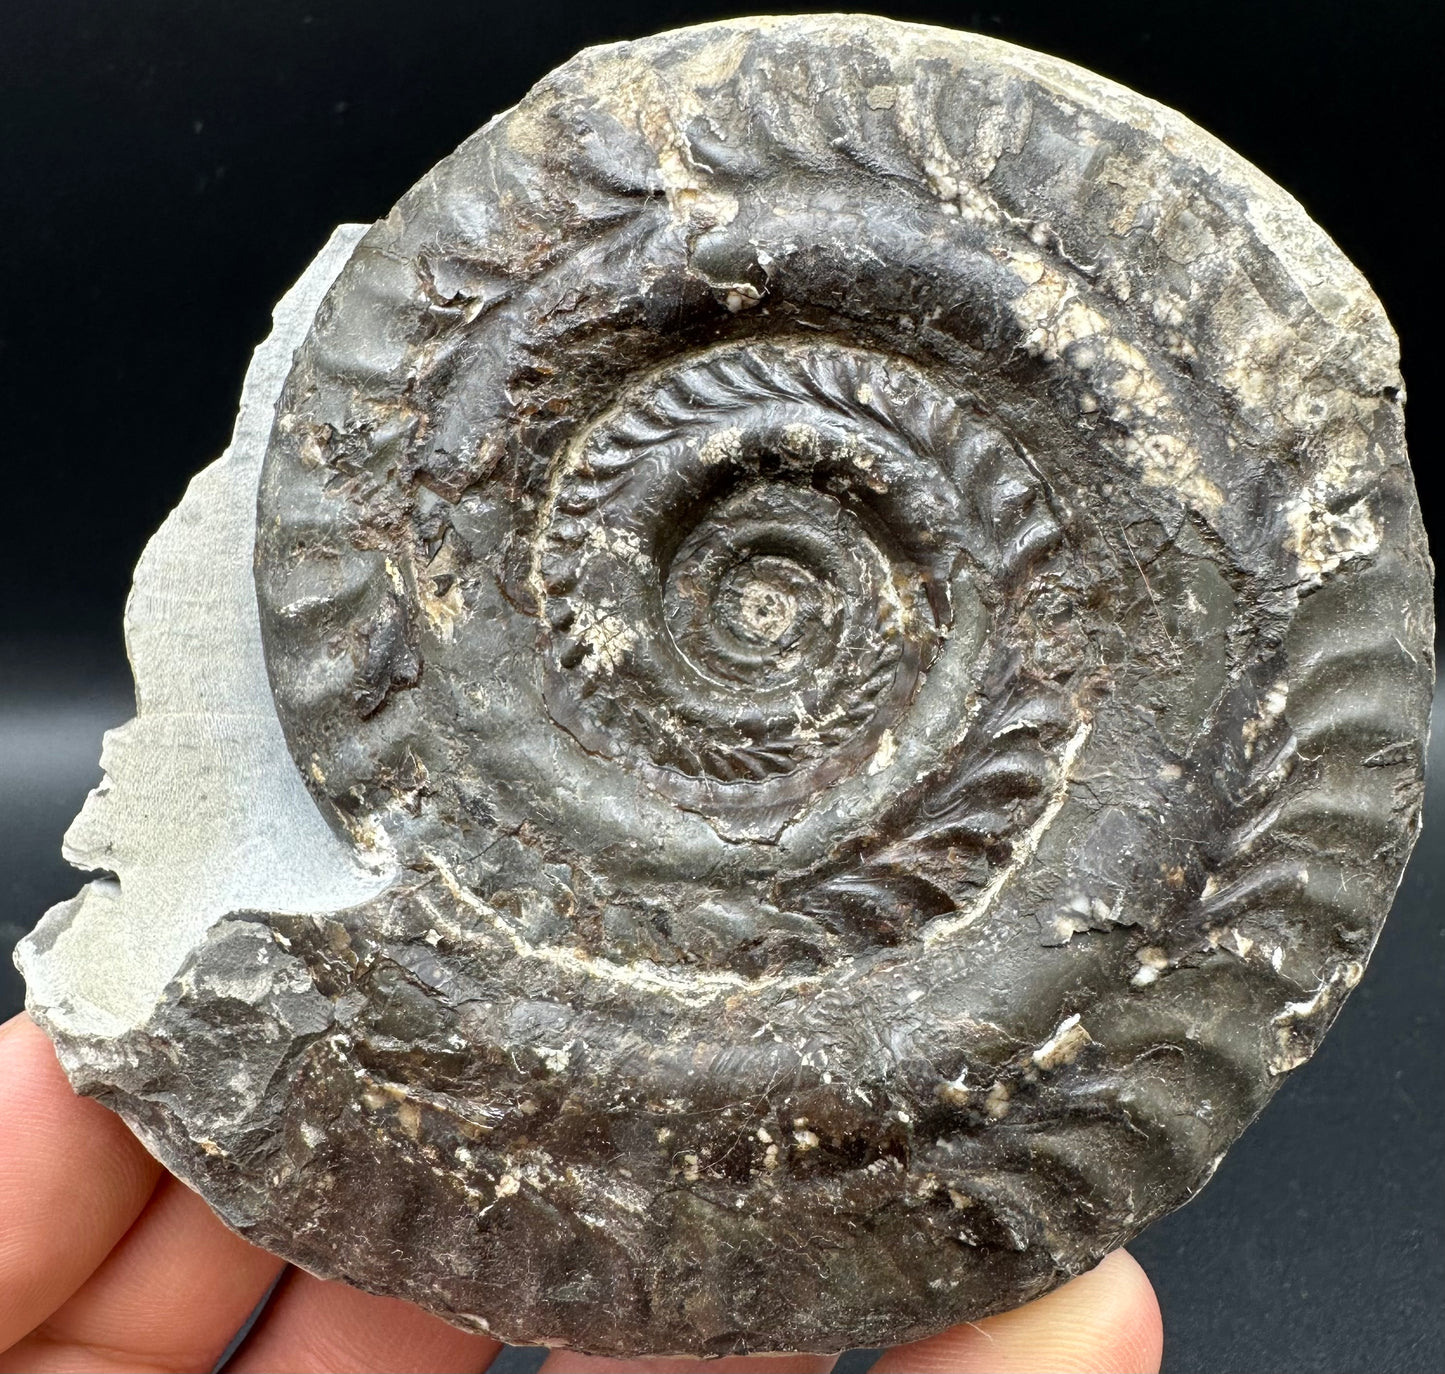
(815, 544)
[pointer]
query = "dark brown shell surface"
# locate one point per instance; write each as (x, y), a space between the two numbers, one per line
(868, 582)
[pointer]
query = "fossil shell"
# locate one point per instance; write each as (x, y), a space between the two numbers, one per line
(853, 601)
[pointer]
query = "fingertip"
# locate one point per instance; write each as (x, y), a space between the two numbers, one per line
(72, 1180)
(1137, 1321)
(318, 1326)
(41, 1105)
(1106, 1321)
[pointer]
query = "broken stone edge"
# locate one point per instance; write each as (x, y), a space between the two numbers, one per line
(201, 811)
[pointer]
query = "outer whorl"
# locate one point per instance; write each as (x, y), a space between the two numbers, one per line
(853, 601)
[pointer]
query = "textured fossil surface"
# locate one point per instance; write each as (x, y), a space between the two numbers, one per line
(833, 690)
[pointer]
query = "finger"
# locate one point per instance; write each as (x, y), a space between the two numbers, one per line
(569, 1362)
(312, 1326)
(72, 1179)
(1103, 1322)
(169, 1296)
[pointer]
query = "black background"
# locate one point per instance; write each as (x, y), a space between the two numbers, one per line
(168, 167)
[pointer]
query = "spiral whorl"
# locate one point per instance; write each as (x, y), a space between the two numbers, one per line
(867, 583)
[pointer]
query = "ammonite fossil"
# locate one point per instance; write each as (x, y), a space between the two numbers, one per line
(832, 689)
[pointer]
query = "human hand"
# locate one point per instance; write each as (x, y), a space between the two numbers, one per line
(107, 1263)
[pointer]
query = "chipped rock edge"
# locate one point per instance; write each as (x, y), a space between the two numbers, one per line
(201, 811)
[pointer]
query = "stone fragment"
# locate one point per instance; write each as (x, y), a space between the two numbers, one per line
(804, 681)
